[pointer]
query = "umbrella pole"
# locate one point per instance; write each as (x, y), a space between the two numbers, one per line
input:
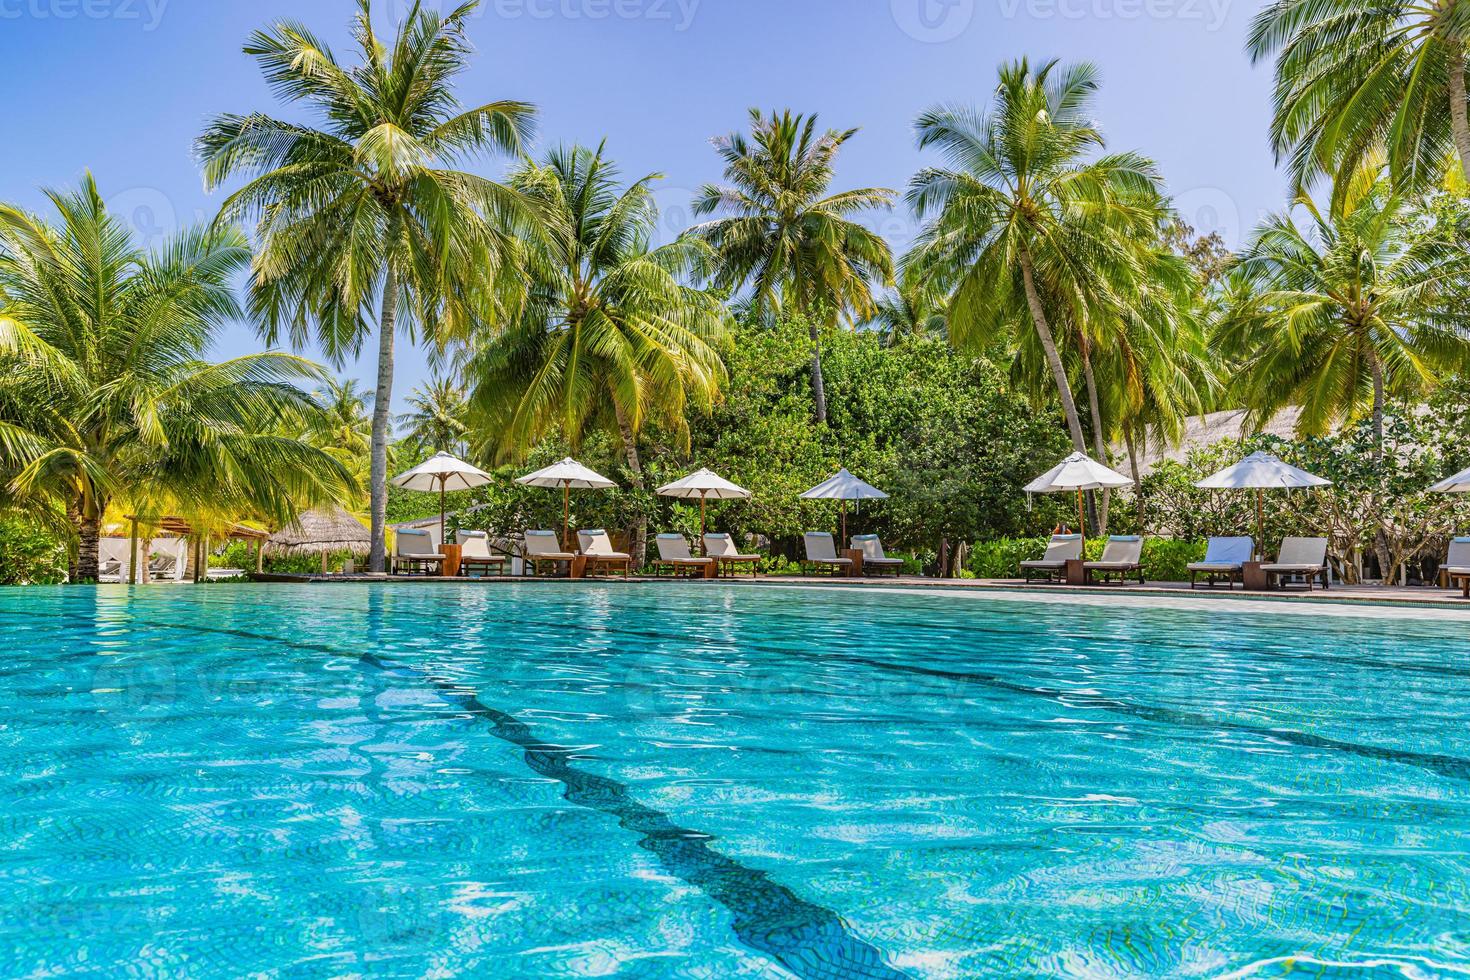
(566, 513)
(1081, 520)
(701, 521)
(441, 510)
(844, 523)
(1260, 523)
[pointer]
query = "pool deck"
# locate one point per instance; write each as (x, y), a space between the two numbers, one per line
(1408, 595)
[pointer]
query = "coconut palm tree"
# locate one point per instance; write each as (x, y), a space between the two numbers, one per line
(1357, 76)
(437, 420)
(344, 422)
(916, 308)
(611, 336)
(781, 234)
(1360, 306)
(362, 215)
(105, 395)
(1028, 227)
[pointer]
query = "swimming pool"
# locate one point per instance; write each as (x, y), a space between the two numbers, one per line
(711, 780)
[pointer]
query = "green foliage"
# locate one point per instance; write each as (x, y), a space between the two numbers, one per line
(1164, 559)
(30, 553)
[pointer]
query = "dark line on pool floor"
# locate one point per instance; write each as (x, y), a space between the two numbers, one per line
(810, 940)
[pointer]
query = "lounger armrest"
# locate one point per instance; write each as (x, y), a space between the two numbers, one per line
(1043, 563)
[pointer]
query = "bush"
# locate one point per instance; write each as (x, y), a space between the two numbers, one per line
(30, 554)
(1164, 559)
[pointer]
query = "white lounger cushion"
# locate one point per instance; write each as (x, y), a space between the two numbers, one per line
(1121, 551)
(674, 548)
(418, 545)
(598, 545)
(1300, 553)
(1061, 549)
(723, 546)
(543, 544)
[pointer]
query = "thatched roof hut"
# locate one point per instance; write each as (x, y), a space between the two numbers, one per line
(323, 530)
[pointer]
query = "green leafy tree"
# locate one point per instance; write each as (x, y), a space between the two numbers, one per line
(915, 309)
(1355, 78)
(1354, 309)
(105, 394)
(363, 213)
(612, 335)
(785, 237)
(1028, 227)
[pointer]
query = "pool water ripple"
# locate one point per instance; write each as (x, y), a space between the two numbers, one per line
(689, 781)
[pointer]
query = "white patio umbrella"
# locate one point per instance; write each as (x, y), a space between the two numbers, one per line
(1079, 472)
(1459, 483)
(1261, 472)
(442, 472)
(844, 487)
(706, 485)
(569, 475)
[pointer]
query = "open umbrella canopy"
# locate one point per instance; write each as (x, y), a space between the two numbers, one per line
(1078, 471)
(1459, 483)
(706, 485)
(844, 486)
(568, 474)
(1261, 471)
(443, 472)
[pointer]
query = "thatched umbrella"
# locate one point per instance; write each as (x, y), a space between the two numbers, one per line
(322, 531)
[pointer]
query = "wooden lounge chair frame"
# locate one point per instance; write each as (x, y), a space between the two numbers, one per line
(424, 561)
(592, 542)
(484, 562)
(1283, 567)
(1122, 556)
(531, 561)
(1457, 565)
(730, 560)
(875, 562)
(1061, 549)
(681, 560)
(826, 554)
(1228, 569)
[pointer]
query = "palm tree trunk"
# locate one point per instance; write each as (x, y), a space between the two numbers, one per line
(1459, 125)
(819, 386)
(1137, 480)
(382, 411)
(1376, 366)
(635, 467)
(89, 542)
(1049, 344)
(1099, 512)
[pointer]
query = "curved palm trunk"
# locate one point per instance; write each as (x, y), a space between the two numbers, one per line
(382, 412)
(1459, 125)
(819, 385)
(635, 466)
(1049, 344)
(88, 521)
(1376, 366)
(1098, 512)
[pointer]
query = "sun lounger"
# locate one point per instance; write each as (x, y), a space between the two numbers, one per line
(1457, 565)
(821, 552)
(874, 560)
(598, 548)
(413, 550)
(1224, 558)
(721, 547)
(1122, 556)
(542, 548)
(674, 556)
(1306, 557)
(1061, 549)
(475, 554)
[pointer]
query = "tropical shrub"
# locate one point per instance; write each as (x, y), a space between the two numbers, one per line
(30, 552)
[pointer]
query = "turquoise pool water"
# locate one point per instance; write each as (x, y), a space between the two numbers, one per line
(722, 781)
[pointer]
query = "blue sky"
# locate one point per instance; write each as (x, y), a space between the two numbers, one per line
(121, 87)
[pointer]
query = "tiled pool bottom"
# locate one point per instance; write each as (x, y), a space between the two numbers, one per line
(710, 781)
